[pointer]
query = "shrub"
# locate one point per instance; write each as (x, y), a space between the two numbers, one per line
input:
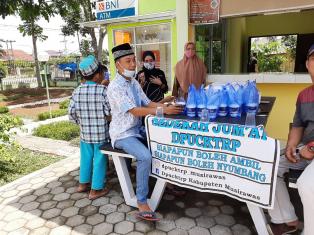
(7, 122)
(54, 113)
(60, 131)
(4, 109)
(3, 70)
(64, 104)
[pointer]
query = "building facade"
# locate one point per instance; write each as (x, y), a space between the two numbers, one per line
(163, 27)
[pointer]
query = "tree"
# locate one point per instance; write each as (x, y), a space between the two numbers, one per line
(86, 48)
(268, 57)
(290, 42)
(105, 57)
(75, 11)
(2, 52)
(8, 7)
(30, 12)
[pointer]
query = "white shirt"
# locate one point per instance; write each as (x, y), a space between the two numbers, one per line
(124, 95)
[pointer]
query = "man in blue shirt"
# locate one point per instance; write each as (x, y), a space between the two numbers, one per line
(128, 105)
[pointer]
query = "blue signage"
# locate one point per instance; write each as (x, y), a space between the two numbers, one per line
(115, 14)
(110, 9)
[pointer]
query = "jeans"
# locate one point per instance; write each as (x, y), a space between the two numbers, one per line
(283, 211)
(93, 165)
(133, 146)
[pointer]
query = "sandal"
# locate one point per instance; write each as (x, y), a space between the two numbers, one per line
(147, 215)
(275, 229)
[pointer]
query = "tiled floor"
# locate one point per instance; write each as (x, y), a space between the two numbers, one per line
(46, 202)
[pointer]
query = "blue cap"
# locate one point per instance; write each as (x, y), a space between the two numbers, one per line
(310, 51)
(88, 65)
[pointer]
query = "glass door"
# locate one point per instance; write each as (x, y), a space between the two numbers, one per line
(211, 46)
(155, 38)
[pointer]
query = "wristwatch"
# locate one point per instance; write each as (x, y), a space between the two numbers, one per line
(310, 146)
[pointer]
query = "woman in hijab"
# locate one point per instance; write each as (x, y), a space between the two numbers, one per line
(152, 80)
(190, 70)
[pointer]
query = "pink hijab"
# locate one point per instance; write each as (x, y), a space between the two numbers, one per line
(190, 71)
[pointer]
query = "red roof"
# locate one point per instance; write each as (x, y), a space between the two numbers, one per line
(18, 55)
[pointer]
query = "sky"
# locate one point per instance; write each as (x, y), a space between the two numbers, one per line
(52, 29)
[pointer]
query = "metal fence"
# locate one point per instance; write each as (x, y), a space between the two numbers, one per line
(14, 82)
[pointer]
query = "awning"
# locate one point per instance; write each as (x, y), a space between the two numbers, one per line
(72, 67)
(231, 8)
(142, 18)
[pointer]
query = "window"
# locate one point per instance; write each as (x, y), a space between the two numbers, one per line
(153, 34)
(155, 38)
(211, 45)
(280, 53)
(123, 36)
(273, 53)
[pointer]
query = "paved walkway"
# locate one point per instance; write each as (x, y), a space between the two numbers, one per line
(46, 202)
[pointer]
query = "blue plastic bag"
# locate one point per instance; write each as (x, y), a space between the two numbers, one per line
(212, 104)
(251, 97)
(200, 97)
(233, 103)
(191, 102)
(223, 103)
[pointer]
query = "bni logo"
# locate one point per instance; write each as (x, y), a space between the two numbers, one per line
(108, 5)
(101, 6)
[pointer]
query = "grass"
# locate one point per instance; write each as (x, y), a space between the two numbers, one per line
(54, 114)
(75, 142)
(64, 104)
(2, 97)
(63, 130)
(28, 95)
(24, 162)
(4, 109)
(13, 97)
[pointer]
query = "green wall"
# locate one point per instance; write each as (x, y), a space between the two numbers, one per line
(110, 29)
(301, 22)
(236, 34)
(148, 7)
(241, 28)
(155, 6)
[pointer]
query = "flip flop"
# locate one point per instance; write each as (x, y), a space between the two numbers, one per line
(101, 194)
(147, 215)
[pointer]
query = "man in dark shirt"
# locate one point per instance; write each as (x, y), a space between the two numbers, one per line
(301, 136)
(252, 66)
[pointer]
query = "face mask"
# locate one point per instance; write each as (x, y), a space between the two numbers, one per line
(189, 54)
(128, 73)
(149, 66)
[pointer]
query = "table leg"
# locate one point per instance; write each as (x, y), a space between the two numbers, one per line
(157, 194)
(125, 181)
(259, 219)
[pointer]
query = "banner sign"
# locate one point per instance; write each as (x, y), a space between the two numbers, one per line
(110, 9)
(204, 11)
(230, 159)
